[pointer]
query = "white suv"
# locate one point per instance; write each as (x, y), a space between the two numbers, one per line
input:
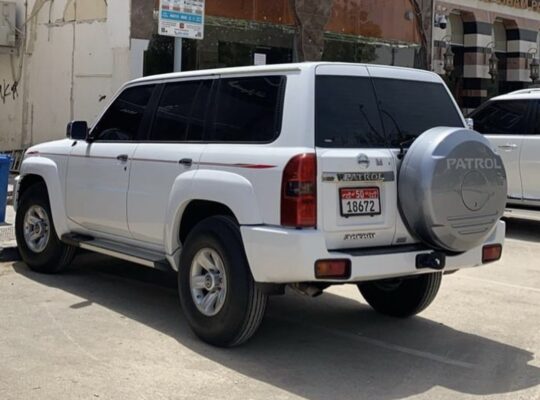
(246, 180)
(512, 123)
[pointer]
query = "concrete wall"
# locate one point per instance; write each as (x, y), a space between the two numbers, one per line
(75, 54)
(10, 93)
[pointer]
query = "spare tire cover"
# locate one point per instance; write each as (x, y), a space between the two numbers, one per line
(452, 188)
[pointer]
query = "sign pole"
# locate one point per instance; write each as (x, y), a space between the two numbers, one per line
(177, 54)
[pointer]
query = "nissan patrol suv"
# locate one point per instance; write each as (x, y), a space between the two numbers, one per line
(246, 180)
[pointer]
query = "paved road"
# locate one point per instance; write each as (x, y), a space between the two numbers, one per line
(112, 330)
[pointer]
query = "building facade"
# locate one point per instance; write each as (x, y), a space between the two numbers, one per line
(69, 57)
(494, 43)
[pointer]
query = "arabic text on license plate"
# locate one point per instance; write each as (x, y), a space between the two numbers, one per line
(360, 201)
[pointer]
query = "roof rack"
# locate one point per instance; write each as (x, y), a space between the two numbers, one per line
(524, 91)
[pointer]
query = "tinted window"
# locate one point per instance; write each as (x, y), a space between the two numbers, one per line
(180, 113)
(536, 120)
(248, 109)
(364, 112)
(346, 113)
(123, 118)
(409, 108)
(198, 113)
(501, 117)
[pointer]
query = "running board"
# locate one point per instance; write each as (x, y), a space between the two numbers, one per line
(148, 258)
(522, 213)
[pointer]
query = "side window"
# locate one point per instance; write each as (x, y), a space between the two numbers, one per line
(122, 119)
(248, 109)
(536, 120)
(180, 113)
(198, 113)
(501, 117)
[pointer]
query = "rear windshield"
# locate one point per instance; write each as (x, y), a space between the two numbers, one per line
(355, 112)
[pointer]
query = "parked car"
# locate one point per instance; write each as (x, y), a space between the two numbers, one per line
(245, 180)
(512, 123)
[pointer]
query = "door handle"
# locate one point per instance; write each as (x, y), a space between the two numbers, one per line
(507, 146)
(186, 161)
(122, 157)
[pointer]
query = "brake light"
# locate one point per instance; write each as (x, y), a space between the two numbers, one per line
(299, 192)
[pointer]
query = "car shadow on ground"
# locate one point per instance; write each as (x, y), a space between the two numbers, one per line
(522, 229)
(330, 347)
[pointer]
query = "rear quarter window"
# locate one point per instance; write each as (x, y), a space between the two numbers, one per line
(248, 109)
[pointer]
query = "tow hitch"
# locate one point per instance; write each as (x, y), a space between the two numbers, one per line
(434, 260)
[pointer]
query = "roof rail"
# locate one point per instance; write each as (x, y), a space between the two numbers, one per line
(523, 91)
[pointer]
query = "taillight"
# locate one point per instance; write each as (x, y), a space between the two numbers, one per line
(299, 192)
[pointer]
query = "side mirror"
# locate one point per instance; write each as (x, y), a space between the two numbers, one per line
(470, 123)
(77, 130)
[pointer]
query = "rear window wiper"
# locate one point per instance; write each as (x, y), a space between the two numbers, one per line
(404, 140)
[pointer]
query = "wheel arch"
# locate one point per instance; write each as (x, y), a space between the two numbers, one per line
(206, 193)
(44, 170)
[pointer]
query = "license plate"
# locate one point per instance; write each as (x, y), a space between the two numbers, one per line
(359, 201)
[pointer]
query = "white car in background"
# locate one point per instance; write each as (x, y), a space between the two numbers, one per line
(512, 123)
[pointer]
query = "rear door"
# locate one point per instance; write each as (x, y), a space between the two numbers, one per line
(172, 148)
(358, 191)
(504, 124)
(363, 115)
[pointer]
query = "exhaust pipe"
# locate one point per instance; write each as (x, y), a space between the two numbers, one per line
(309, 289)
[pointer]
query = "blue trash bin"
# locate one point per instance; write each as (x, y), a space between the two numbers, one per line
(5, 162)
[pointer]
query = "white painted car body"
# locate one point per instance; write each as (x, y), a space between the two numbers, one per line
(139, 200)
(519, 147)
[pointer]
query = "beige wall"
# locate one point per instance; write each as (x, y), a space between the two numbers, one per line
(75, 56)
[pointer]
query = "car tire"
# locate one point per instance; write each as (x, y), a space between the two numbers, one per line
(402, 297)
(219, 297)
(45, 252)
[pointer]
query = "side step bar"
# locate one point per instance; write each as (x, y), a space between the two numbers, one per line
(522, 213)
(148, 258)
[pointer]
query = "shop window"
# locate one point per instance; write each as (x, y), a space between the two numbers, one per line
(159, 58)
(348, 51)
(122, 120)
(231, 54)
(248, 109)
(178, 115)
(455, 29)
(499, 37)
(501, 117)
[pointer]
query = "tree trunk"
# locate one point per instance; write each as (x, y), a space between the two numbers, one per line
(311, 18)
(423, 10)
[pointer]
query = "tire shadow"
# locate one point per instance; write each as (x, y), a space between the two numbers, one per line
(330, 347)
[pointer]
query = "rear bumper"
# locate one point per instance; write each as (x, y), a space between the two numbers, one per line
(278, 255)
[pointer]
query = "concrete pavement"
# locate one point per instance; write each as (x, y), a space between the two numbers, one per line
(112, 330)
